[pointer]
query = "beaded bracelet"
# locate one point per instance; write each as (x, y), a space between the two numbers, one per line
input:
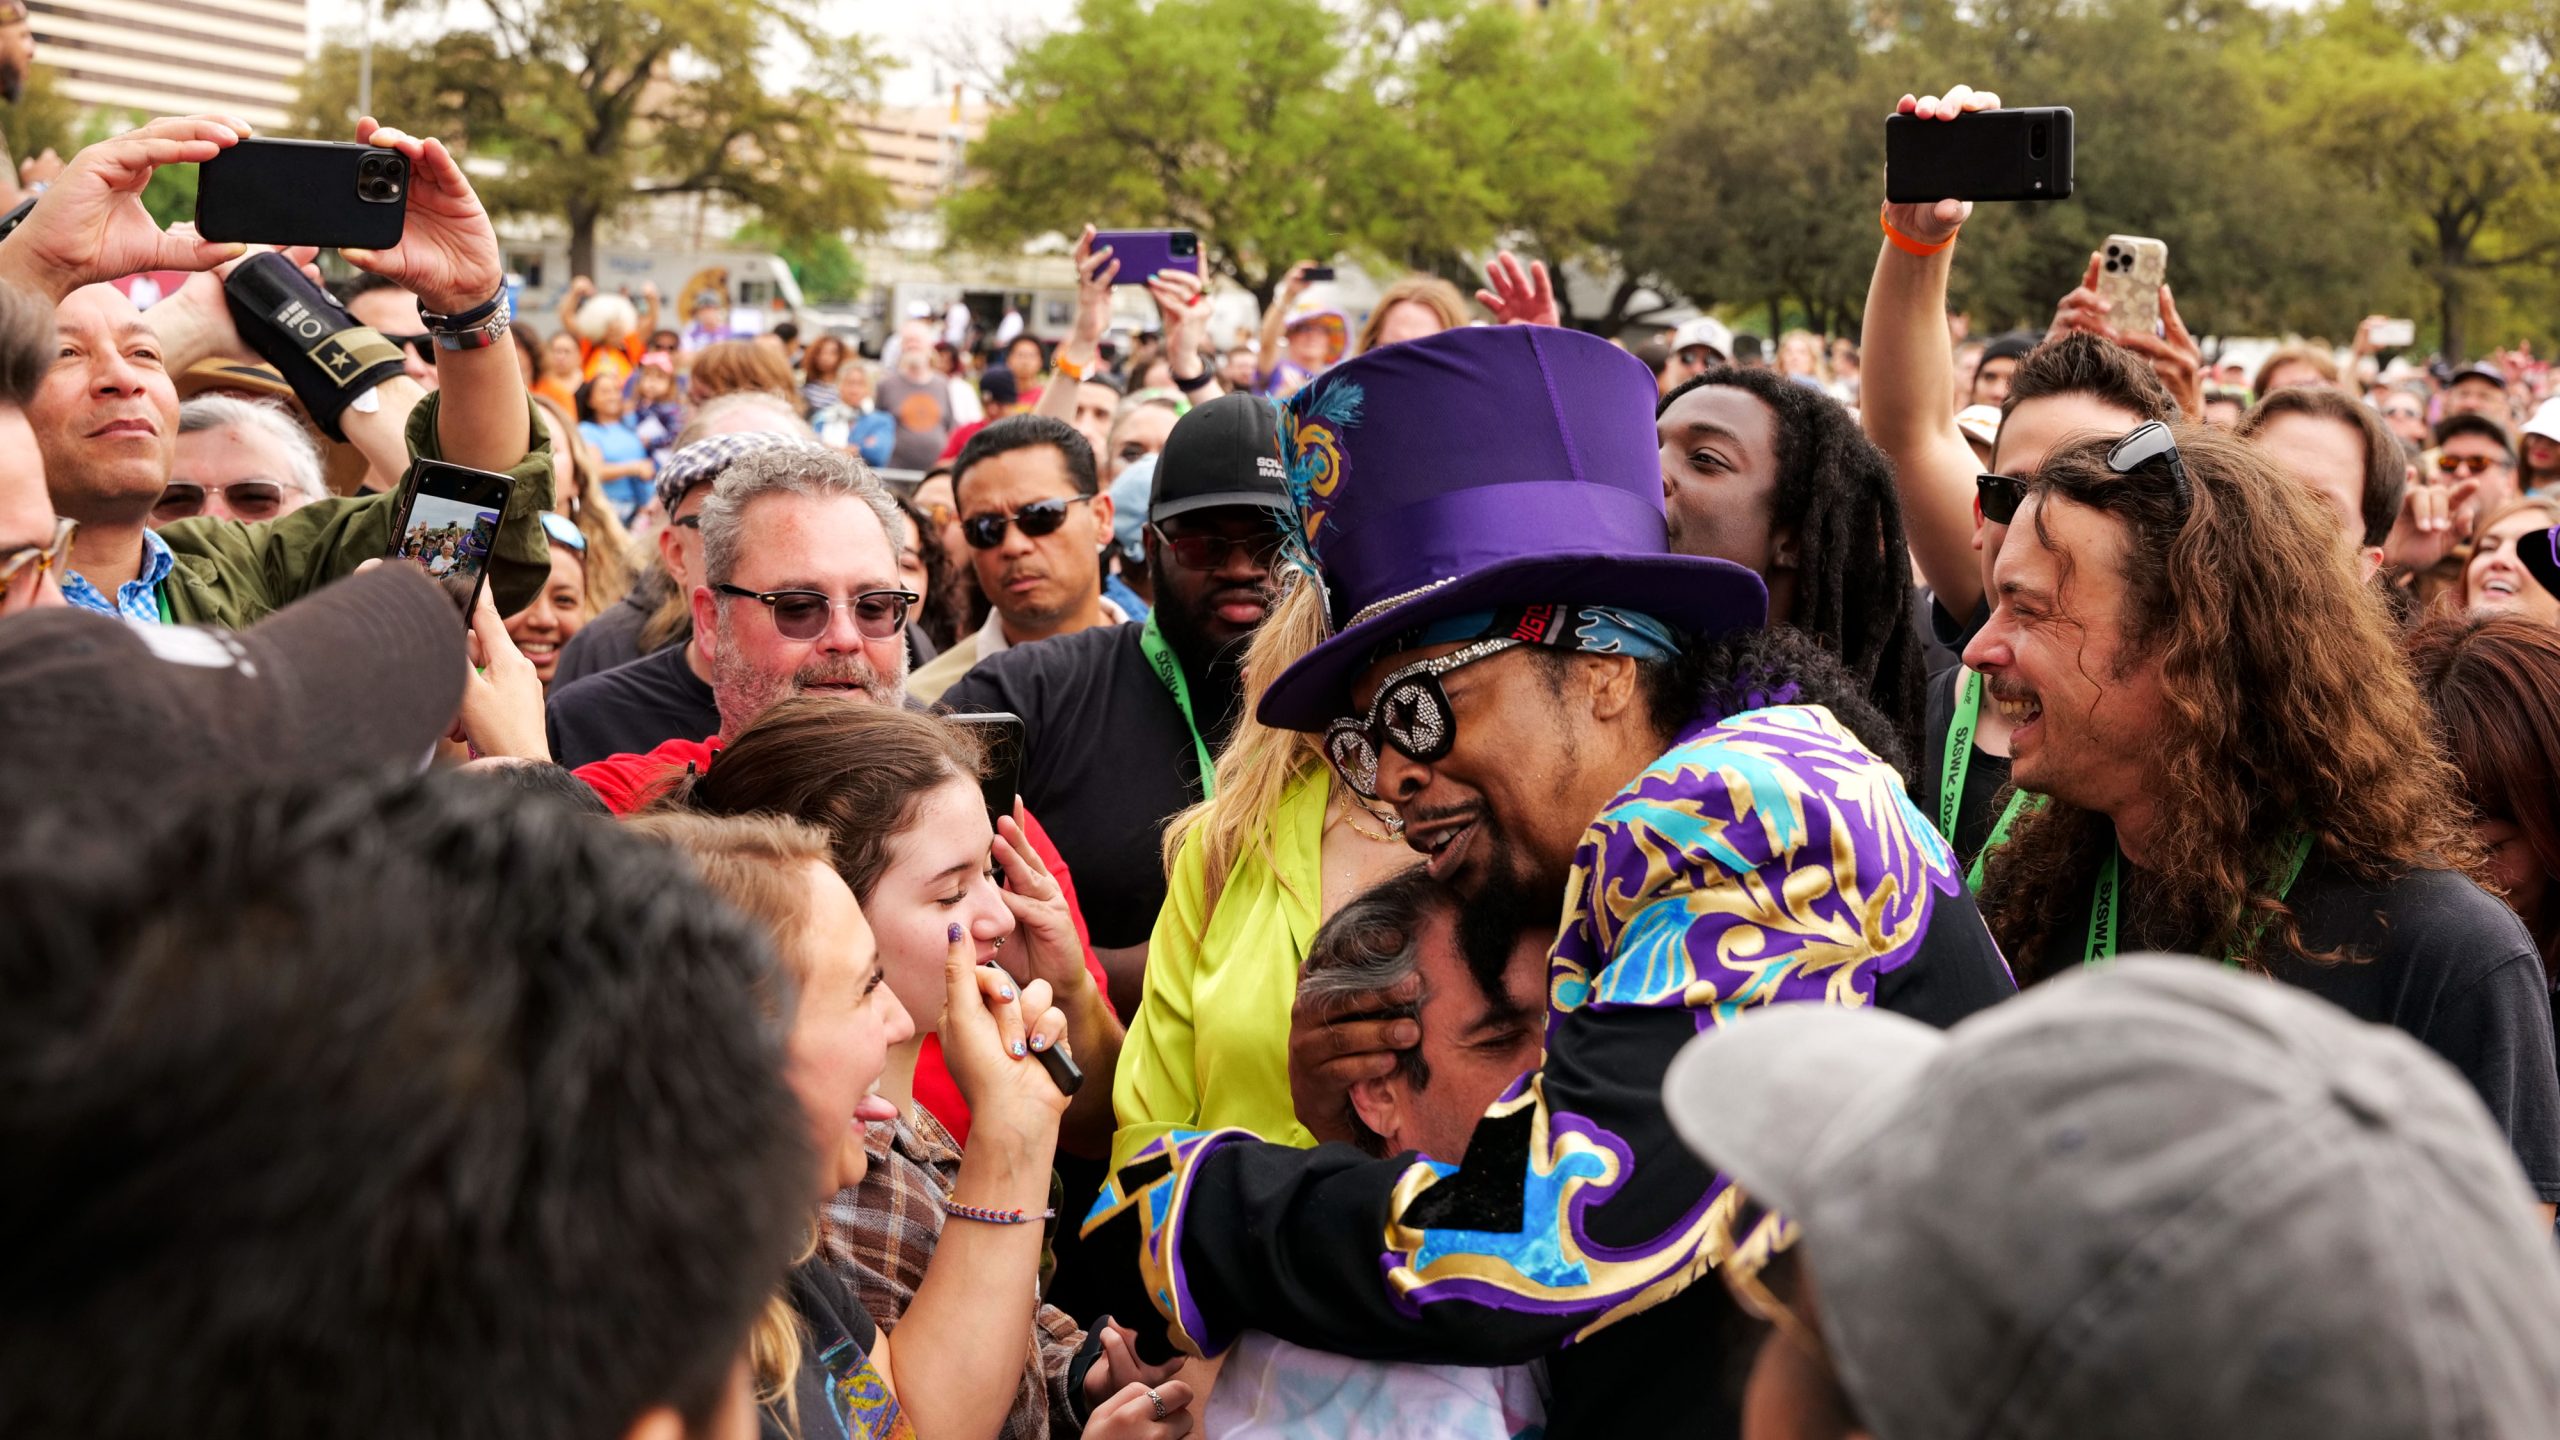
(995, 1217)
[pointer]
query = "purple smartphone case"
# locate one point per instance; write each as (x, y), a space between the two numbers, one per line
(1142, 253)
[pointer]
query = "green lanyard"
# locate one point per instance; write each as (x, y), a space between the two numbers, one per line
(1160, 655)
(1959, 757)
(160, 596)
(2106, 899)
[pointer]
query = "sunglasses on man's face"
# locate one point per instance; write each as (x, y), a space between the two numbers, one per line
(2468, 464)
(247, 499)
(1208, 550)
(1039, 518)
(422, 343)
(1411, 712)
(805, 614)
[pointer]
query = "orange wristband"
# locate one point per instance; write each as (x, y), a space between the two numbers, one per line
(1067, 367)
(1905, 243)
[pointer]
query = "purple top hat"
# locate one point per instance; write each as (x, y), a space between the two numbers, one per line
(1481, 467)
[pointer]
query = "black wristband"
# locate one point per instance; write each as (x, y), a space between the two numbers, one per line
(470, 319)
(17, 215)
(318, 347)
(1196, 383)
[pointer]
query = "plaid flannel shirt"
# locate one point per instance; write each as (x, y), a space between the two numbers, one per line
(882, 1233)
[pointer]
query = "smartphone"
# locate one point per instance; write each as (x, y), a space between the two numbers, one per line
(2395, 334)
(448, 522)
(1993, 155)
(1142, 253)
(1316, 274)
(2131, 270)
(1002, 737)
(328, 193)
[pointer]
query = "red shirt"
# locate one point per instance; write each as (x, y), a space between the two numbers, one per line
(626, 782)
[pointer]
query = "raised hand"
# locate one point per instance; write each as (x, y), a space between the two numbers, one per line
(91, 227)
(989, 1030)
(1518, 294)
(1095, 271)
(1183, 305)
(1046, 929)
(448, 251)
(1936, 222)
(502, 694)
(2175, 357)
(2084, 309)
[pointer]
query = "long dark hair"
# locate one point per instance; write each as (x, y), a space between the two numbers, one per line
(2287, 703)
(2491, 682)
(854, 770)
(1835, 491)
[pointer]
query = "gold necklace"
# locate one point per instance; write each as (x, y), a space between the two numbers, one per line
(1394, 833)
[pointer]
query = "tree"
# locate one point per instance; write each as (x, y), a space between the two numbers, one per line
(1415, 132)
(825, 268)
(43, 118)
(2445, 116)
(597, 106)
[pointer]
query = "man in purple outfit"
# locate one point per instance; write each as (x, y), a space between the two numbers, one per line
(1568, 718)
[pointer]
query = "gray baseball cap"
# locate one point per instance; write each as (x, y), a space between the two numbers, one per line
(2151, 1199)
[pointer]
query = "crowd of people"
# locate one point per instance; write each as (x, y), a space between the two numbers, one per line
(1413, 873)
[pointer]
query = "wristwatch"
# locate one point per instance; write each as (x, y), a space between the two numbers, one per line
(482, 325)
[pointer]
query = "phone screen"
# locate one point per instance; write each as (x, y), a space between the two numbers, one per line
(450, 525)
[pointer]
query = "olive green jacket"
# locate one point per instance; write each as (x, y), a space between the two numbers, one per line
(233, 575)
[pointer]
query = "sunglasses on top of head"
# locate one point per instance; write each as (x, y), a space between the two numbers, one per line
(1040, 517)
(2150, 444)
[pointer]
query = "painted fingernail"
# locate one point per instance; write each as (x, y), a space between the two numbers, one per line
(1005, 994)
(1017, 1050)
(1039, 1042)
(955, 934)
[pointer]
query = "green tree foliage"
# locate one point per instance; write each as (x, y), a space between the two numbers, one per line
(1414, 132)
(825, 268)
(597, 106)
(1760, 188)
(2443, 118)
(42, 119)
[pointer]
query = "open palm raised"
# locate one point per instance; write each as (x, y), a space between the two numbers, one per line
(448, 250)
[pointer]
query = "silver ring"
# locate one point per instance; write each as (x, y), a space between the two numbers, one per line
(1155, 1402)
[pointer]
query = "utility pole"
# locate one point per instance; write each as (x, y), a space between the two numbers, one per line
(364, 67)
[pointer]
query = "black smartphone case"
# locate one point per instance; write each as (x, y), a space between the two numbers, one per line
(482, 489)
(297, 192)
(1994, 155)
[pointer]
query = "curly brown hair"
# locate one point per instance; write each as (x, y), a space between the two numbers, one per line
(2288, 704)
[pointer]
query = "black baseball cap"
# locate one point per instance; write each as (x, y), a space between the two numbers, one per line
(364, 674)
(996, 386)
(1226, 452)
(2479, 370)
(2014, 345)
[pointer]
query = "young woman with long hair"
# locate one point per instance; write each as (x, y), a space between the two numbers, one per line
(1280, 845)
(2492, 682)
(896, 796)
(822, 1364)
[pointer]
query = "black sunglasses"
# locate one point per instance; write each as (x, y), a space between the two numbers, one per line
(805, 614)
(424, 344)
(1209, 552)
(2149, 444)
(1040, 517)
(1411, 712)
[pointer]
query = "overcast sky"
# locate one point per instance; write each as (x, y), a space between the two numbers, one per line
(905, 30)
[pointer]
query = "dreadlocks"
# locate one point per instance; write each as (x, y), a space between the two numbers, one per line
(1835, 492)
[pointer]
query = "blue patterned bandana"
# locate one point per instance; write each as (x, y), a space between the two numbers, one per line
(1589, 629)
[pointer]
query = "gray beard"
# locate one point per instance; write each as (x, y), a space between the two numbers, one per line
(744, 693)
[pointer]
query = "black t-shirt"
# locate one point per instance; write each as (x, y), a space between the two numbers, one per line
(631, 710)
(1107, 762)
(1985, 776)
(2431, 954)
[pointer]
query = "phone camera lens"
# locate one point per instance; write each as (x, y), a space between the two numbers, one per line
(2037, 142)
